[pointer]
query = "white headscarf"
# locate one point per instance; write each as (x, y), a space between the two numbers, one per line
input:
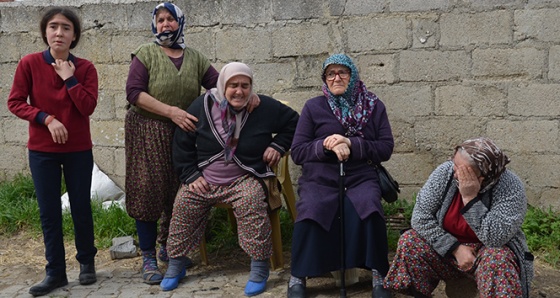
(231, 119)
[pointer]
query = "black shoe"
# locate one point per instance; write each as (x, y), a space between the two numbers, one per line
(380, 292)
(48, 285)
(189, 263)
(87, 274)
(417, 294)
(296, 291)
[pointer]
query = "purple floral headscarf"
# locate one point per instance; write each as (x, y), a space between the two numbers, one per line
(355, 106)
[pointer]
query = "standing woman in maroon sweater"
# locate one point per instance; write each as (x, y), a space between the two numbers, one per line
(62, 92)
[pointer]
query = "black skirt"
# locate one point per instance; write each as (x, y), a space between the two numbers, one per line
(316, 251)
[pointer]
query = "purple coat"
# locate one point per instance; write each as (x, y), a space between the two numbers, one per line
(318, 185)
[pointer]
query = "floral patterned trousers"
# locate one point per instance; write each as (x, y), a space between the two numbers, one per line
(192, 209)
(417, 266)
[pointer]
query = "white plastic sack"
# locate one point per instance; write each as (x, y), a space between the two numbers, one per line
(102, 189)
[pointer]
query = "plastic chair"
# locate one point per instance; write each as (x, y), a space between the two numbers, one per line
(283, 176)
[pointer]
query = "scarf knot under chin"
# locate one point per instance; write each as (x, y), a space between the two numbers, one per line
(170, 39)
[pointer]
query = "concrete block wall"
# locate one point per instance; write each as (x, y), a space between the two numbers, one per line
(447, 70)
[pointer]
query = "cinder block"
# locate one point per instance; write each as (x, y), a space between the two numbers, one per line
(543, 135)
(460, 29)
(228, 45)
(123, 247)
(538, 24)
(554, 63)
(292, 40)
(419, 5)
(433, 65)
(376, 33)
(459, 100)
(543, 104)
(527, 63)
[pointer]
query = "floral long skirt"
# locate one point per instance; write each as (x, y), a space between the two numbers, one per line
(151, 183)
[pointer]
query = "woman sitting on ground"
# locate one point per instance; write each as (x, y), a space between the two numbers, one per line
(467, 223)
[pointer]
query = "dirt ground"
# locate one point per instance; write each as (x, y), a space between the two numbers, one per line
(21, 257)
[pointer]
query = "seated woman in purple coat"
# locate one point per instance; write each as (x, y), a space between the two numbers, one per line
(349, 124)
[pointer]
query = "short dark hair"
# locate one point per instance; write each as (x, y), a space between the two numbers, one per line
(68, 13)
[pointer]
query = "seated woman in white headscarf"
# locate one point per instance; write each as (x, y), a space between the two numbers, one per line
(225, 161)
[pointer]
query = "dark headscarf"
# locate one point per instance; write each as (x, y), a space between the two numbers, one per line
(355, 106)
(489, 159)
(170, 39)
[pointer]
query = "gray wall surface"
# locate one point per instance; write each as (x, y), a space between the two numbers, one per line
(447, 70)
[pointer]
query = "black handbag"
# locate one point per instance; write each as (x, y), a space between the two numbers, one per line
(389, 186)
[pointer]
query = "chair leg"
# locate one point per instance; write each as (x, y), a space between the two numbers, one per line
(290, 198)
(232, 220)
(203, 254)
(283, 175)
(277, 259)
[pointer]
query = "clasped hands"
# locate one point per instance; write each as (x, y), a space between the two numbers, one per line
(465, 257)
(338, 144)
(200, 185)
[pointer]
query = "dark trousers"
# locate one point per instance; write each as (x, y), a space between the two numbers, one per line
(147, 234)
(46, 170)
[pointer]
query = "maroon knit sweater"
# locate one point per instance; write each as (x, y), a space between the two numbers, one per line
(71, 101)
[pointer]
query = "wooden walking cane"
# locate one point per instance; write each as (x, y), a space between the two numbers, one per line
(341, 194)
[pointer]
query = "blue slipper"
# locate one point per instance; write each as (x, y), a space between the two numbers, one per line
(171, 283)
(253, 288)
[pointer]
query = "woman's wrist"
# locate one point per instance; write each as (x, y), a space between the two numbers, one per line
(49, 119)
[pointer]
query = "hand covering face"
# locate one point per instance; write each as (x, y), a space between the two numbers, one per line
(490, 160)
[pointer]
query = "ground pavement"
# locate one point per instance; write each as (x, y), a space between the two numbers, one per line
(22, 265)
(122, 278)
